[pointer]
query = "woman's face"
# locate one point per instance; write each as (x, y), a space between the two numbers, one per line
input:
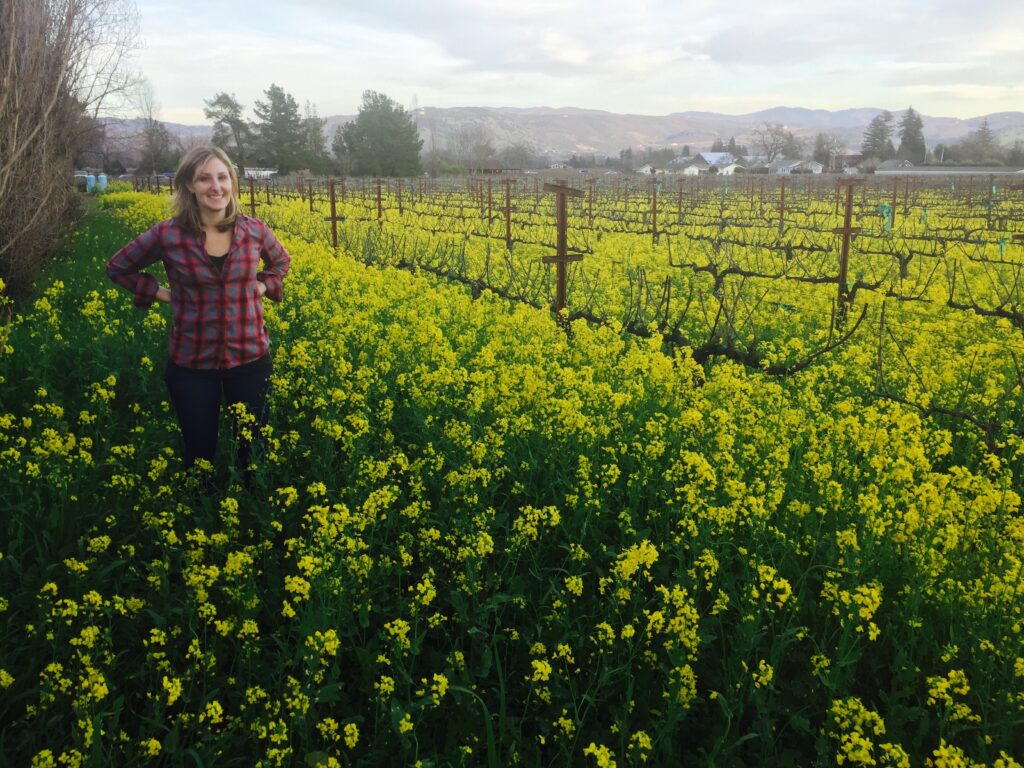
(212, 187)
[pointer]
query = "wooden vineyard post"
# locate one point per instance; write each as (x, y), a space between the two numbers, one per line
(334, 218)
(310, 187)
(252, 197)
(782, 205)
(380, 207)
(508, 214)
(679, 204)
(266, 189)
(654, 209)
(562, 257)
(398, 192)
(590, 203)
(895, 187)
(760, 201)
(490, 203)
(847, 231)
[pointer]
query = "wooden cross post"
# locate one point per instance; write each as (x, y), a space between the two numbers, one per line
(508, 214)
(380, 207)
(847, 231)
(562, 257)
(334, 218)
(252, 197)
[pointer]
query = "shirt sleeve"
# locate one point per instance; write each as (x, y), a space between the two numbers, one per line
(124, 268)
(276, 261)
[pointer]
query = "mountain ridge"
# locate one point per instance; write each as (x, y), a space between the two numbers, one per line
(559, 132)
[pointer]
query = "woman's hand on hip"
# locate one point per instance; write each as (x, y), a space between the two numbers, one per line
(261, 287)
(163, 295)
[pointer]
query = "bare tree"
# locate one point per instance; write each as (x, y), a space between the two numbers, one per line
(775, 140)
(62, 62)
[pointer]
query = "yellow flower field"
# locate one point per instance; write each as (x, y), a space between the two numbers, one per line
(476, 538)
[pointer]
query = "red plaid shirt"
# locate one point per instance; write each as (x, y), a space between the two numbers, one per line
(216, 316)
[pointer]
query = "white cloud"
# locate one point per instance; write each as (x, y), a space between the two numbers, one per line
(646, 56)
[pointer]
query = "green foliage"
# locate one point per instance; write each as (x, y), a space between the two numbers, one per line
(381, 141)
(282, 139)
(231, 131)
(912, 146)
(877, 142)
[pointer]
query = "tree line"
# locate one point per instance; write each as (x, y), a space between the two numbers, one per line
(381, 141)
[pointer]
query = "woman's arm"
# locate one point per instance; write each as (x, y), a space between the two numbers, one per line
(124, 267)
(277, 262)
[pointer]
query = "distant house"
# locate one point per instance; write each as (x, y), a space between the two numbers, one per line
(957, 170)
(646, 169)
(709, 162)
(784, 166)
(894, 166)
(730, 168)
(848, 163)
(717, 159)
(259, 173)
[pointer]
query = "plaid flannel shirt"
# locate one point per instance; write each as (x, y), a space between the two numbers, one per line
(216, 315)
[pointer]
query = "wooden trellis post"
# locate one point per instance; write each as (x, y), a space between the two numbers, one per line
(490, 203)
(380, 205)
(562, 256)
(782, 205)
(847, 231)
(654, 208)
(252, 197)
(508, 214)
(334, 218)
(895, 188)
(267, 190)
(398, 191)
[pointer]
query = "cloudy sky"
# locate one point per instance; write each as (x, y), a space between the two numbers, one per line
(943, 57)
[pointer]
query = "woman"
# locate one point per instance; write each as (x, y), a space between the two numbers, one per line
(219, 347)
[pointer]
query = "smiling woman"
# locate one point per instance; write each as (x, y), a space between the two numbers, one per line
(219, 346)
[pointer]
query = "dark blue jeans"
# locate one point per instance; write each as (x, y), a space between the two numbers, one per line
(197, 397)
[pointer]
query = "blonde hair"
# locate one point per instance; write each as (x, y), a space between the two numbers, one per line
(186, 209)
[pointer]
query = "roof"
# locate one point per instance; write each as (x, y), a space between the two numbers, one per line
(717, 158)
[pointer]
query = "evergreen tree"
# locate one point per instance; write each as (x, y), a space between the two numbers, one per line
(383, 139)
(314, 154)
(985, 141)
(912, 146)
(230, 130)
(718, 145)
(877, 140)
(279, 127)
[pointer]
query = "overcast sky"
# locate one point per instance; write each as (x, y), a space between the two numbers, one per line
(952, 58)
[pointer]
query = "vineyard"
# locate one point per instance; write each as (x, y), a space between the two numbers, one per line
(751, 497)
